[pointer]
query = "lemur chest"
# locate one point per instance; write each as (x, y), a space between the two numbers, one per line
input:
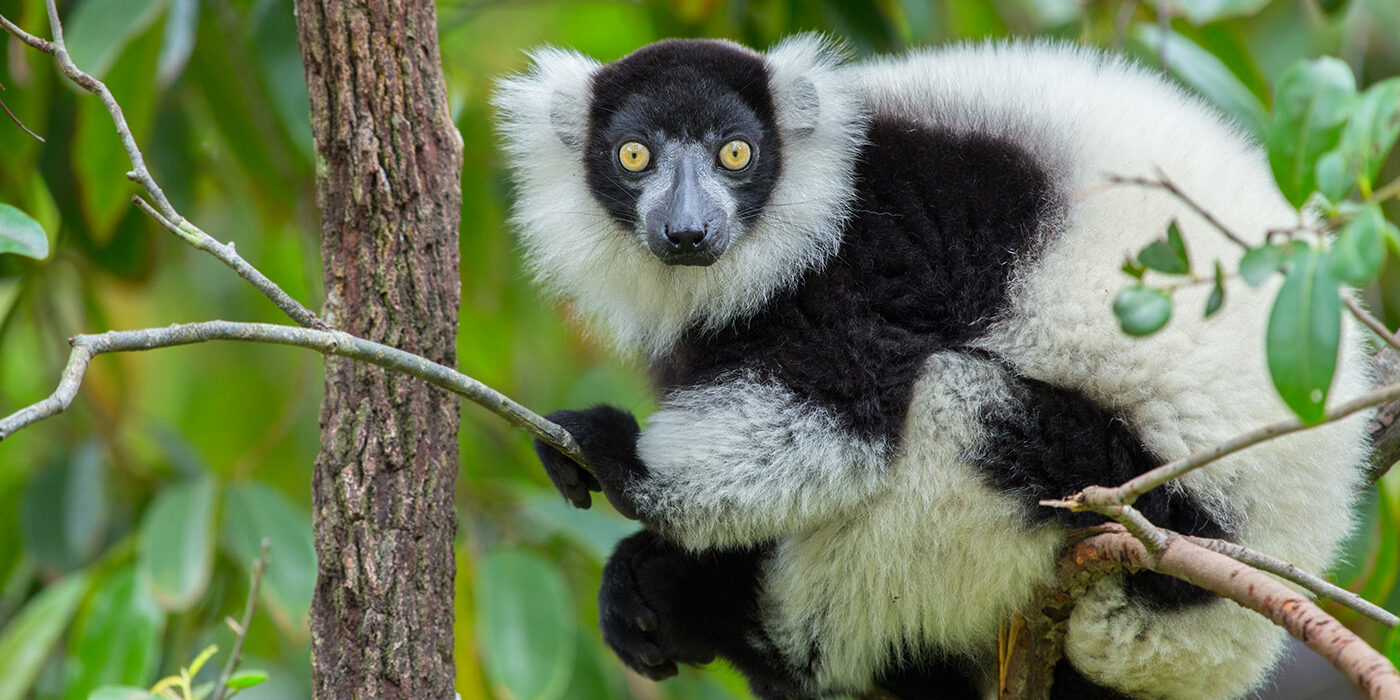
(934, 563)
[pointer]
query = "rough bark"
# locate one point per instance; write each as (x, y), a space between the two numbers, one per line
(388, 188)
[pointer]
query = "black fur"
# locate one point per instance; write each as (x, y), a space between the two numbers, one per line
(707, 91)
(928, 676)
(660, 606)
(940, 220)
(1055, 442)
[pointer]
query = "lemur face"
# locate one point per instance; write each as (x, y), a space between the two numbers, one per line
(682, 148)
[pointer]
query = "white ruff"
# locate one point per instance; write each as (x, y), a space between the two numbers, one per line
(576, 250)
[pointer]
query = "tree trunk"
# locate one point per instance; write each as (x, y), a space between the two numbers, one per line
(388, 177)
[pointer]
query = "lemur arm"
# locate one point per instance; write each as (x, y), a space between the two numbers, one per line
(735, 463)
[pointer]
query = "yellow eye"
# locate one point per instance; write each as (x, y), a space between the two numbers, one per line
(735, 155)
(634, 156)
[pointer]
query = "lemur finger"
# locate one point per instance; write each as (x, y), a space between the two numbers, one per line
(660, 672)
(645, 619)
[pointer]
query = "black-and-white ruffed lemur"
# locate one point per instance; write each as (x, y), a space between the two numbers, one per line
(875, 298)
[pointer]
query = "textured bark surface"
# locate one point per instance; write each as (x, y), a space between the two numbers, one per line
(388, 188)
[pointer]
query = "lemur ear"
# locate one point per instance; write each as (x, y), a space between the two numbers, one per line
(568, 114)
(808, 85)
(548, 105)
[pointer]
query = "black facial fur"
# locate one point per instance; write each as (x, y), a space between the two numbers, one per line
(681, 90)
(940, 222)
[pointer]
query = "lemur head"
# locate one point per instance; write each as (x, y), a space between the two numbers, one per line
(684, 184)
(683, 146)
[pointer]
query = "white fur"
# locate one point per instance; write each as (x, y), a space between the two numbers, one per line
(964, 559)
(578, 251)
(744, 461)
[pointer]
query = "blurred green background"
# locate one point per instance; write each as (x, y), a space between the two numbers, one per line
(128, 524)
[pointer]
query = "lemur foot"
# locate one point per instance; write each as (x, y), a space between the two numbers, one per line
(640, 611)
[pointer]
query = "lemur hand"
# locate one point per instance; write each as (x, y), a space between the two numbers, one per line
(608, 437)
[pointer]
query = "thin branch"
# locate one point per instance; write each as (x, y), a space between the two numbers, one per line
(1371, 322)
(1094, 498)
(1165, 183)
(16, 119)
(1289, 572)
(97, 87)
(229, 256)
(241, 632)
(1390, 189)
(1368, 669)
(163, 211)
(34, 41)
(329, 342)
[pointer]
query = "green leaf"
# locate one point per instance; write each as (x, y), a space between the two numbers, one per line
(28, 638)
(99, 30)
(21, 235)
(525, 625)
(1259, 263)
(1142, 310)
(1206, 74)
(1312, 103)
(1202, 11)
(1132, 269)
(178, 42)
(120, 692)
(1372, 129)
(1303, 332)
(594, 530)
(253, 511)
(63, 516)
(1167, 256)
(117, 637)
(174, 549)
(246, 679)
(1359, 249)
(1217, 293)
(1335, 175)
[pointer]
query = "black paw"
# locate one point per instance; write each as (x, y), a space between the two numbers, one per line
(638, 611)
(608, 438)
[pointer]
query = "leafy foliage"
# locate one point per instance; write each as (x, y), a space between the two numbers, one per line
(133, 521)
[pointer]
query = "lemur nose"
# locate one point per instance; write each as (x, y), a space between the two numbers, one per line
(685, 239)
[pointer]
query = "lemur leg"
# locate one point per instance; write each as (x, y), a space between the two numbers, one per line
(661, 606)
(734, 464)
(1048, 442)
(945, 678)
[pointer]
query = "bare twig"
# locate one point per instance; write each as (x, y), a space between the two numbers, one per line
(1165, 183)
(1240, 582)
(16, 120)
(163, 211)
(26, 37)
(1095, 498)
(1390, 189)
(226, 254)
(331, 342)
(241, 632)
(1289, 572)
(1371, 322)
